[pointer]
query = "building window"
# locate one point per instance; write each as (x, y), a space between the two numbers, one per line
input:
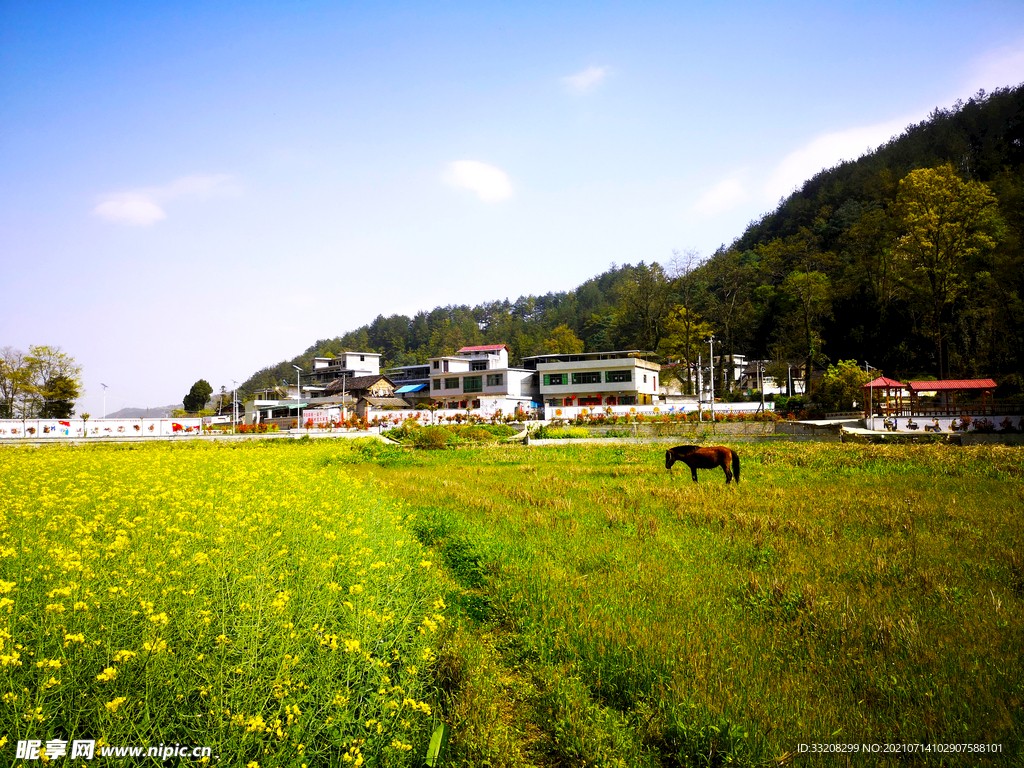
(554, 380)
(617, 377)
(362, 358)
(627, 400)
(436, 384)
(645, 378)
(590, 401)
(473, 384)
(451, 383)
(478, 365)
(495, 379)
(587, 377)
(437, 364)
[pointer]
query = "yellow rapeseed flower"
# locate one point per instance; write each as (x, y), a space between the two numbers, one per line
(114, 704)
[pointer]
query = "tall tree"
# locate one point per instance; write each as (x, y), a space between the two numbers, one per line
(810, 295)
(947, 222)
(686, 335)
(53, 381)
(562, 341)
(643, 303)
(13, 382)
(197, 397)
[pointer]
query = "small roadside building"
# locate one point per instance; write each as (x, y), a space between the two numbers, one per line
(355, 387)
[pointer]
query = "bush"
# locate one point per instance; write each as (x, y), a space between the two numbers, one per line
(432, 438)
(841, 386)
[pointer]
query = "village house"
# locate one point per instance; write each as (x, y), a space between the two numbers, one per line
(623, 377)
(481, 378)
(412, 382)
(364, 393)
(330, 369)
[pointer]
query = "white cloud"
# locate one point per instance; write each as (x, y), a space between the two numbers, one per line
(490, 183)
(587, 80)
(131, 209)
(144, 207)
(825, 152)
(998, 68)
(725, 195)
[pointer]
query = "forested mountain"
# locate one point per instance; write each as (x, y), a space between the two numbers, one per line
(911, 258)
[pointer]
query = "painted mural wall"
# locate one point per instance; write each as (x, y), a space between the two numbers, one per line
(78, 428)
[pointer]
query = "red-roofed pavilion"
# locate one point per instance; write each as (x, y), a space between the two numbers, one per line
(888, 405)
(980, 391)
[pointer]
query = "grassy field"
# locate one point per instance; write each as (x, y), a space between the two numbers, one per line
(330, 603)
(257, 600)
(612, 614)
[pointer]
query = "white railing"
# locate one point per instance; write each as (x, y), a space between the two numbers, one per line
(576, 411)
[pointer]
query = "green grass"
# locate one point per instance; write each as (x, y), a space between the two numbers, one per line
(614, 614)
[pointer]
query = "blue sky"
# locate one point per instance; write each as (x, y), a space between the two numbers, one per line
(203, 189)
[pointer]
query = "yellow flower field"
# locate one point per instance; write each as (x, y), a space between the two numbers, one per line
(256, 600)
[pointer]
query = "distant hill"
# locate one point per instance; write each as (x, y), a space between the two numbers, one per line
(159, 412)
(837, 271)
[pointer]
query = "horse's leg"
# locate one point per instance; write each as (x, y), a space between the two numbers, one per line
(693, 471)
(728, 474)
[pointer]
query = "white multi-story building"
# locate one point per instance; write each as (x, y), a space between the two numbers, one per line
(623, 377)
(328, 369)
(480, 378)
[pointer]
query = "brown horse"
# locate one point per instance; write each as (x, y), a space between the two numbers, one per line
(696, 458)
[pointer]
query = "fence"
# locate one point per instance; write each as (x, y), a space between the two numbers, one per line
(58, 429)
(576, 411)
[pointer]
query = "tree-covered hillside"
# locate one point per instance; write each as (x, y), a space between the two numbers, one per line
(911, 258)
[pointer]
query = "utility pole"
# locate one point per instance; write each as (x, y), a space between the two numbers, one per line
(760, 383)
(871, 392)
(234, 405)
(700, 387)
(711, 341)
(298, 396)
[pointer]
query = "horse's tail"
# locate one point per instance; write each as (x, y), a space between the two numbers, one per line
(736, 466)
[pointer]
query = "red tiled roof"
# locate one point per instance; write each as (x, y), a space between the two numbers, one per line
(935, 386)
(883, 383)
(485, 348)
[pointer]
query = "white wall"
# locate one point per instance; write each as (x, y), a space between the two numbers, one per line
(77, 428)
(574, 411)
